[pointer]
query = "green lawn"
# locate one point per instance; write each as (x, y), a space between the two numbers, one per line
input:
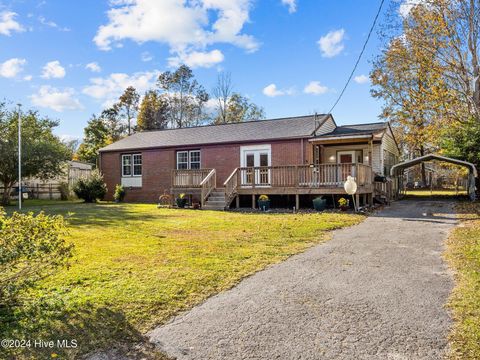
(135, 266)
(436, 193)
(463, 254)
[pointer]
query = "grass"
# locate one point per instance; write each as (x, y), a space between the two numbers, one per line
(463, 254)
(136, 266)
(437, 193)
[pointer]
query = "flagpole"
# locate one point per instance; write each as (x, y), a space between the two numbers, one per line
(19, 156)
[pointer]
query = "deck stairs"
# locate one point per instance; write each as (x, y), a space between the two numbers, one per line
(216, 200)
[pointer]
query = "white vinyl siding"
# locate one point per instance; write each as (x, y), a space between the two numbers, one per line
(327, 127)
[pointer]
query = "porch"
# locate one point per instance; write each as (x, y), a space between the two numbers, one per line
(322, 179)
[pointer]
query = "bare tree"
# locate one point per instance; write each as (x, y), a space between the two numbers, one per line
(222, 92)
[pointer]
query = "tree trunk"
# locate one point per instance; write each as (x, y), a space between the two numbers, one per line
(6, 194)
(423, 172)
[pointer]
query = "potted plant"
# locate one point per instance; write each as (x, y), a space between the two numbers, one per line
(343, 204)
(319, 203)
(196, 204)
(181, 201)
(264, 203)
(119, 194)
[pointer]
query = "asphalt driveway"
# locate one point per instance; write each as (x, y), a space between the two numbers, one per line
(375, 291)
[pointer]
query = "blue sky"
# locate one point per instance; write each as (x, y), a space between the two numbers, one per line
(69, 59)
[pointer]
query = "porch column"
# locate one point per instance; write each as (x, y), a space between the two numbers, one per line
(253, 201)
(370, 153)
(297, 202)
(237, 201)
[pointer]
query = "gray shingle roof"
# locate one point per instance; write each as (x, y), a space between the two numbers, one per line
(360, 129)
(294, 127)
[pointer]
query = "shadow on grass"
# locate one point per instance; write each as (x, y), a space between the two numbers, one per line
(93, 330)
(96, 214)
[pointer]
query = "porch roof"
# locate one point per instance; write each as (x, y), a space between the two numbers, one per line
(353, 133)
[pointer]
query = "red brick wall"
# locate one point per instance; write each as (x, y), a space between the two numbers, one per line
(158, 164)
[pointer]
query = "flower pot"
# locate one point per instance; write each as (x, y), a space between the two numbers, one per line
(181, 203)
(344, 207)
(319, 204)
(264, 205)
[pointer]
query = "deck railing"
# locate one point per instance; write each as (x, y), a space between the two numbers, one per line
(189, 179)
(299, 176)
(208, 185)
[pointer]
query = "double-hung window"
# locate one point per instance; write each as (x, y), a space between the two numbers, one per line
(187, 160)
(131, 165)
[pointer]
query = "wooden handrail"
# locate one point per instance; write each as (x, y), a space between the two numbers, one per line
(231, 185)
(234, 172)
(210, 174)
(208, 184)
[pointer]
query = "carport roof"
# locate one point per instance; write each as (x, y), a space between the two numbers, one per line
(395, 170)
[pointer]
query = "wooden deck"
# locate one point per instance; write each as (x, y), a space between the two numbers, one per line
(323, 179)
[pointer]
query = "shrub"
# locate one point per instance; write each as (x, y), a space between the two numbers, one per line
(119, 194)
(64, 191)
(31, 248)
(90, 189)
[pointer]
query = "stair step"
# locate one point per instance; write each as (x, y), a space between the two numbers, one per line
(215, 193)
(215, 203)
(210, 207)
(216, 198)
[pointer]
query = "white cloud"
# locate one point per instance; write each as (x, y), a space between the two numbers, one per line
(407, 5)
(292, 5)
(186, 26)
(28, 78)
(332, 44)
(272, 91)
(53, 69)
(196, 59)
(12, 67)
(93, 67)
(111, 87)
(361, 79)
(8, 23)
(51, 24)
(315, 88)
(68, 137)
(146, 56)
(57, 100)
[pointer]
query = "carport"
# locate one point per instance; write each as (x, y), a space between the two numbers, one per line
(396, 171)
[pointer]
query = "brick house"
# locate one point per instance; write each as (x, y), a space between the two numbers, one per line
(229, 163)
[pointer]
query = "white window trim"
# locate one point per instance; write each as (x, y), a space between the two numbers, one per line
(267, 148)
(188, 158)
(350, 152)
(131, 165)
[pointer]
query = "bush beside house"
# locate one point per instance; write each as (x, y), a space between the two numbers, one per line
(91, 189)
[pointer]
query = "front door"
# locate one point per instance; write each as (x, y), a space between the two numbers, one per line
(255, 163)
(345, 161)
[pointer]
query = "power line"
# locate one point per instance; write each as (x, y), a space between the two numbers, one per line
(359, 56)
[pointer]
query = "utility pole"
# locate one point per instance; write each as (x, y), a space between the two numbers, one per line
(19, 156)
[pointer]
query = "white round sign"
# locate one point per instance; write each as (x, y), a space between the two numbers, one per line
(350, 186)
